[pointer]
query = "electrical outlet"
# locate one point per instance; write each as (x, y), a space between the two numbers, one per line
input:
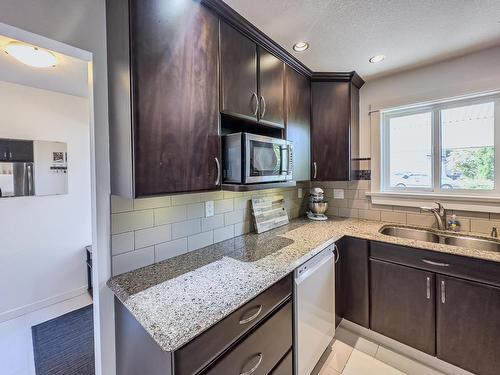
(299, 193)
(338, 193)
(209, 208)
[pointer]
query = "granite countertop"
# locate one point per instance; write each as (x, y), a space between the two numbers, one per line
(177, 299)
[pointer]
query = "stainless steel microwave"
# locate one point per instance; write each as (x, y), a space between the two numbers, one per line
(250, 159)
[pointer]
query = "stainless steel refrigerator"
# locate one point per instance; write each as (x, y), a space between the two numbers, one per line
(16, 179)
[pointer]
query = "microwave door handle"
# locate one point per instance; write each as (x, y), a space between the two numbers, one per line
(284, 159)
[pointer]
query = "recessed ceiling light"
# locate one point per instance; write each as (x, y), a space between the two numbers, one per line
(31, 55)
(377, 58)
(300, 46)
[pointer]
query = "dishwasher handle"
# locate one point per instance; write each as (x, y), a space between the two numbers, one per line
(308, 271)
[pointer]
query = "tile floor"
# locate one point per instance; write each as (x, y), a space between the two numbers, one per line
(351, 354)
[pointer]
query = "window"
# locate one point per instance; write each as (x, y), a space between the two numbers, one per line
(448, 147)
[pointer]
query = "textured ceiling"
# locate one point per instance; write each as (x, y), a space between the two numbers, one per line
(69, 76)
(344, 34)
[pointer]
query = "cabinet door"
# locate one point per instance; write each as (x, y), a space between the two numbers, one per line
(174, 52)
(352, 277)
(330, 131)
(16, 150)
(238, 60)
(271, 84)
(468, 325)
(298, 122)
(402, 304)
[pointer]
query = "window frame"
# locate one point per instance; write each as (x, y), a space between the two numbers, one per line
(436, 146)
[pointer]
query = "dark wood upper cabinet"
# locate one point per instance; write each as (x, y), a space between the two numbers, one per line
(298, 121)
(352, 281)
(402, 304)
(468, 325)
(16, 150)
(252, 79)
(335, 127)
(238, 73)
(164, 107)
(271, 89)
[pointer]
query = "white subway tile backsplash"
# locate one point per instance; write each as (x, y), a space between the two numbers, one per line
(393, 217)
(173, 225)
(152, 236)
(195, 210)
(234, 217)
(200, 240)
(209, 223)
(483, 226)
(223, 206)
(128, 221)
(170, 215)
(170, 249)
(120, 204)
(211, 196)
(420, 220)
(183, 199)
(132, 260)
(149, 203)
(186, 228)
(223, 234)
(122, 243)
(243, 228)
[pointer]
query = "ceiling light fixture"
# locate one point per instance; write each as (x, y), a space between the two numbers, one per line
(31, 55)
(377, 58)
(300, 46)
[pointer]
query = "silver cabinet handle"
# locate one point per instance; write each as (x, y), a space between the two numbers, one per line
(428, 288)
(256, 110)
(217, 180)
(435, 263)
(315, 170)
(263, 106)
(252, 370)
(337, 253)
(443, 292)
(10, 154)
(250, 318)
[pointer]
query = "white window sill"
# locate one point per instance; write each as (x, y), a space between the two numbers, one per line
(450, 201)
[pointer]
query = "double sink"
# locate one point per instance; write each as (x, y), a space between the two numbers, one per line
(439, 237)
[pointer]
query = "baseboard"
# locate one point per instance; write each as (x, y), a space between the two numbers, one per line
(407, 351)
(26, 309)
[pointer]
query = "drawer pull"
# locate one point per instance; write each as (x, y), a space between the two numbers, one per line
(443, 292)
(250, 318)
(435, 263)
(428, 288)
(252, 370)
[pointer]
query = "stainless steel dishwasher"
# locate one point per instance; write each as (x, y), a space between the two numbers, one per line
(314, 309)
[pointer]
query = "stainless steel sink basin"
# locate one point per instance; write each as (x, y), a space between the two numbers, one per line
(410, 233)
(444, 238)
(474, 243)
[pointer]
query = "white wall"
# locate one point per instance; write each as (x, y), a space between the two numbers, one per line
(82, 24)
(468, 74)
(43, 238)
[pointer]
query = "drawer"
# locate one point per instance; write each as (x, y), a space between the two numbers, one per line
(198, 353)
(259, 353)
(285, 367)
(447, 264)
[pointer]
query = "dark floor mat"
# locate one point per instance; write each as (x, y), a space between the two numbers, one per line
(65, 345)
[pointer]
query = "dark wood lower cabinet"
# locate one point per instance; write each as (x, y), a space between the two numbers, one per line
(285, 367)
(402, 304)
(262, 349)
(351, 281)
(468, 325)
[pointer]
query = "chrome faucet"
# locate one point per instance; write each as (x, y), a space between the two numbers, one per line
(439, 213)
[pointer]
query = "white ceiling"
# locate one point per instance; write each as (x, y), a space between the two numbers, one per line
(69, 76)
(344, 34)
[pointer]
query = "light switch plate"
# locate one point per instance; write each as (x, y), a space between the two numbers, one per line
(338, 193)
(299, 193)
(209, 208)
